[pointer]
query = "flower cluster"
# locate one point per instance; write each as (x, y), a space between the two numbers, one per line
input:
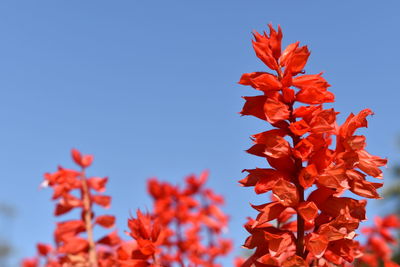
(309, 155)
(173, 234)
(377, 249)
(307, 218)
(74, 239)
(185, 228)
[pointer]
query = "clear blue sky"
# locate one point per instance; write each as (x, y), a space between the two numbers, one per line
(149, 88)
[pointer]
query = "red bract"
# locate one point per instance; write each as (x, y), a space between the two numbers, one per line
(75, 244)
(300, 153)
(184, 228)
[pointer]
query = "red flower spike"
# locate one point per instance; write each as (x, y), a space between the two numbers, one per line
(74, 239)
(376, 248)
(289, 231)
(172, 233)
(324, 230)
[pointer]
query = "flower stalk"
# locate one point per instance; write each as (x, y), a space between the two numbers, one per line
(87, 216)
(321, 228)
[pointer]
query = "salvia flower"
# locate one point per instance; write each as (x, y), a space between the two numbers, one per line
(184, 229)
(303, 161)
(75, 244)
(378, 250)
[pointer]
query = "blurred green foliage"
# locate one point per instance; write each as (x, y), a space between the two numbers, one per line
(7, 213)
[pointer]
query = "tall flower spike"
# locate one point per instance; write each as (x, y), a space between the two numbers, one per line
(75, 244)
(184, 229)
(323, 230)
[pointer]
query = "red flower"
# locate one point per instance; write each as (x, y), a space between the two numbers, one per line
(379, 237)
(173, 232)
(302, 158)
(74, 239)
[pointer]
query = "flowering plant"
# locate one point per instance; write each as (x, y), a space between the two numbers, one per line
(377, 249)
(184, 229)
(309, 169)
(75, 243)
(305, 220)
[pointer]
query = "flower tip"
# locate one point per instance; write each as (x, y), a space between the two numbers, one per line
(82, 160)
